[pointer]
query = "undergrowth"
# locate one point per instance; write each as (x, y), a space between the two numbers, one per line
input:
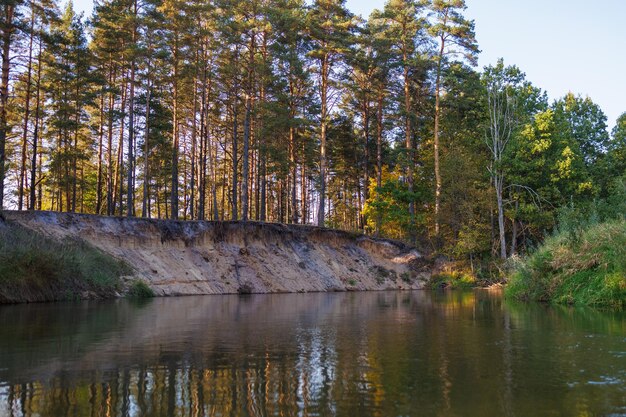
(452, 280)
(139, 289)
(581, 265)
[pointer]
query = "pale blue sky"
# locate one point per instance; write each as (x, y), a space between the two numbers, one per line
(561, 45)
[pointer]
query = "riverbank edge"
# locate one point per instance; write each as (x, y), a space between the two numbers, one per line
(579, 267)
(65, 233)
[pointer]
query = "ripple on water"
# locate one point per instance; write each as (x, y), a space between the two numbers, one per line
(606, 380)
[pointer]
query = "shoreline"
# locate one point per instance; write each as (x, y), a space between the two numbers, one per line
(205, 257)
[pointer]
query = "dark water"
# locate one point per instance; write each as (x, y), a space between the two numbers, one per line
(344, 354)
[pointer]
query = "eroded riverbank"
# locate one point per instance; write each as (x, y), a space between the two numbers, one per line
(194, 257)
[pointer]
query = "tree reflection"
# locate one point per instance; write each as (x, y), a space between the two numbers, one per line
(374, 354)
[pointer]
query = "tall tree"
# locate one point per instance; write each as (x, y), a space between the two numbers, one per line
(178, 23)
(8, 29)
(292, 89)
(500, 83)
(404, 30)
(455, 37)
(329, 24)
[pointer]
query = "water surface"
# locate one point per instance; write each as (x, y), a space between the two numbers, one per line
(340, 354)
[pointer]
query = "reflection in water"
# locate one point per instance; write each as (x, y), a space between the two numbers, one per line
(347, 354)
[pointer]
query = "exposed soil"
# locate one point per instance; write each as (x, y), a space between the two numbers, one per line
(198, 257)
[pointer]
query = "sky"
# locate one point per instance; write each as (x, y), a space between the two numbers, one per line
(561, 45)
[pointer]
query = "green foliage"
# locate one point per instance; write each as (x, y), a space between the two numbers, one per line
(452, 280)
(587, 267)
(390, 205)
(574, 219)
(585, 123)
(153, 99)
(139, 289)
(37, 268)
(616, 155)
(547, 170)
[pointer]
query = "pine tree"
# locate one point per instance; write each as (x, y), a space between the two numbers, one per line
(404, 27)
(455, 37)
(68, 87)
(9, 14)
(330, 25)
(292, 89)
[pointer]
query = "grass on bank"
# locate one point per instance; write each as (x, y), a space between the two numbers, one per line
(139, 289)
(583, 268)
(34, 268)
(456, 280)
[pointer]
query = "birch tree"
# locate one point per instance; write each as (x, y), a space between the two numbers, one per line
(499, 83)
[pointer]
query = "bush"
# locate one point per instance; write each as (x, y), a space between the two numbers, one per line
(34, 267)
(585, 267)
(139, 289)
(452, 280)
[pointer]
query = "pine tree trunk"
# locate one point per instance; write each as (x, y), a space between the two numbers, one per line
(324, 116)
(245, 162)
(263, 168)
(119, 175)
(235, 150)
(145, 203)
(174, 190)
(100, 155)
(366, 157)
(194, 140)
(33, 167)
(293, 164)
(204, 133)
(130, 186)
(110, 189)
(246, 131)
(7, 31)
(379, 156)
(216, 213)
(23, 168)
(74, 154)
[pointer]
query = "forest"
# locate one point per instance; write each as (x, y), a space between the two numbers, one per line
(296, 112)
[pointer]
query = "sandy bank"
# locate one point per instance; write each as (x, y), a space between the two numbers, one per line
(198, 257)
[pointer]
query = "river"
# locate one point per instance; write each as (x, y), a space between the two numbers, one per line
(412, 353)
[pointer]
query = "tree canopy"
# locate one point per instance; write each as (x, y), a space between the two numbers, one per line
(286, 111)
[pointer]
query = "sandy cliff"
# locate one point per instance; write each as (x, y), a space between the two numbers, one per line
(194, 257)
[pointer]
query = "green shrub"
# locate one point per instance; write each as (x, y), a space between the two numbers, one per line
(585, 268)
(139, 289)
(453, 280)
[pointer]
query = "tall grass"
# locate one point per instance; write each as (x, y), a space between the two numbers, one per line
(584, 262)
(34, 267)
(583, 265)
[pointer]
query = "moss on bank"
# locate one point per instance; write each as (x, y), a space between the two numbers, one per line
(585, 268)
(35, 268)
